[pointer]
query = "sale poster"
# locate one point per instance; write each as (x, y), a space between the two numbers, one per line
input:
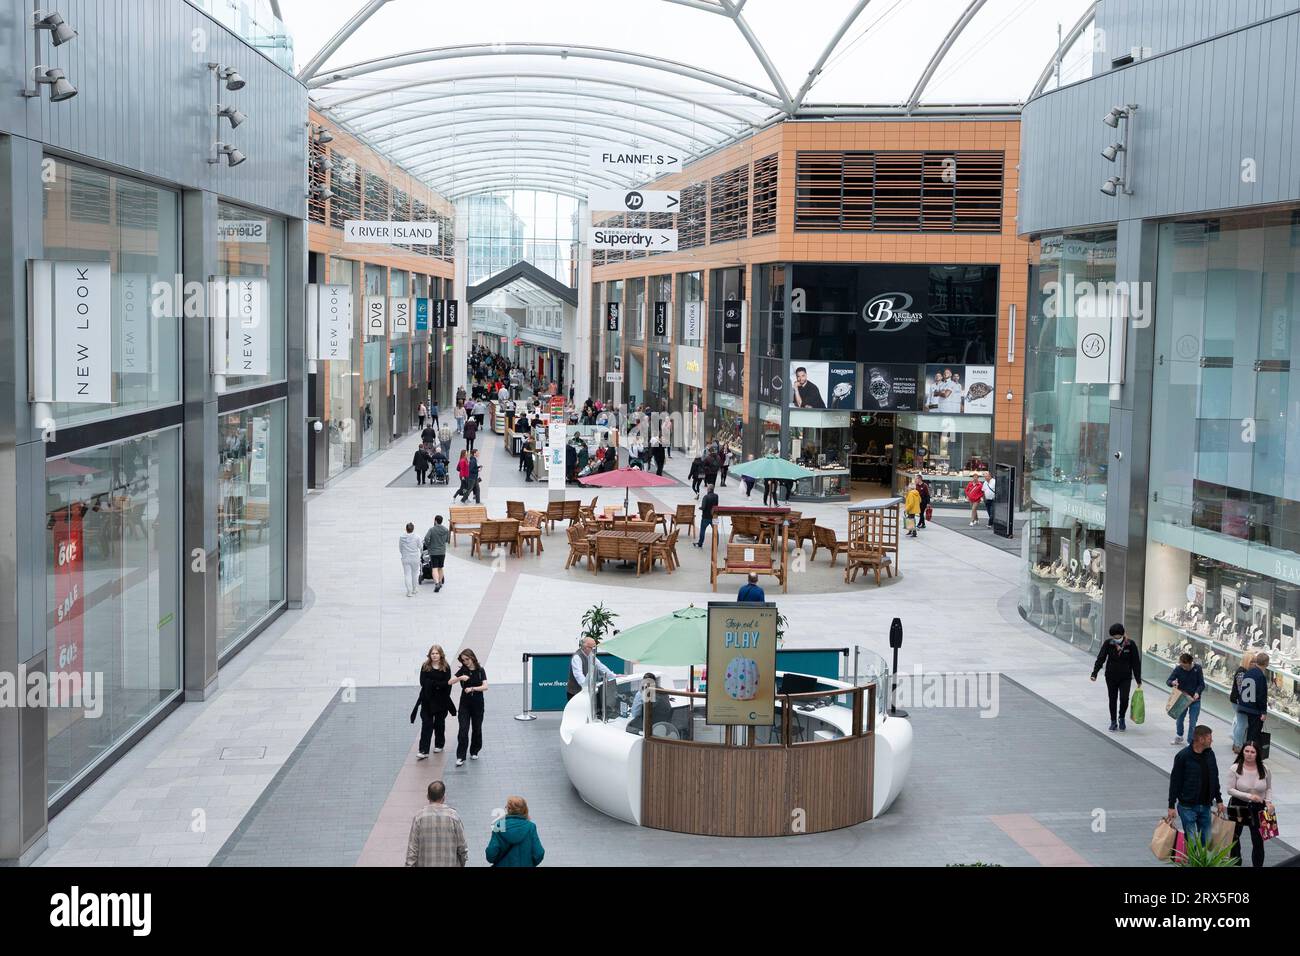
(69, 632)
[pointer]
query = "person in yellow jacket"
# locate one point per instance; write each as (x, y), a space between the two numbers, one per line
(912, 508)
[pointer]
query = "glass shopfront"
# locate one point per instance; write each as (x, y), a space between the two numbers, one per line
(1067, 434)
(340, 422)
(250, 520)
(948, 451)
(93, 216)
(113, 568)
(1223, 532)
(251, 246)
(374, 368)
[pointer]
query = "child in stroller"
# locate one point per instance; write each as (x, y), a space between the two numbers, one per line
(438, 471)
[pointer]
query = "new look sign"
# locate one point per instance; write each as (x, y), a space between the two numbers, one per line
(70, 311)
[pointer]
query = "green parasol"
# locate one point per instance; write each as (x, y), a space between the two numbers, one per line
(771, 466)
(679, 638)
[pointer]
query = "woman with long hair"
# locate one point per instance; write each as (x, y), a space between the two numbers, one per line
(435, 701)
(473, 682)
(1250, 791)
(462, 469)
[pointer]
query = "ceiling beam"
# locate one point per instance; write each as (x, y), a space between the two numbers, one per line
(835, 39)
(963, 21)
(369, 9)
(1068, 41)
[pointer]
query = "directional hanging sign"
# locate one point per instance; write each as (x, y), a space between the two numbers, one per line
(612, 312)
(661, 319)
(453, 313)
(652, 240)
(618, 156)
(634, 200)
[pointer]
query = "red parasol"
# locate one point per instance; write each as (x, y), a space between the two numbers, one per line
(627, 478)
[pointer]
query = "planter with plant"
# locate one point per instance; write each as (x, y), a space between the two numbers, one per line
(597, 620)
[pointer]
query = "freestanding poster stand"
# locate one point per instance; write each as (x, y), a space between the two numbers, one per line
(1004, 500)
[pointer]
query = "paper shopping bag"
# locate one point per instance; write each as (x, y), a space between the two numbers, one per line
(1162, 841)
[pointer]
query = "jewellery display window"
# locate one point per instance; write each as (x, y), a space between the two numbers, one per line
(1067, 573)
(947, 460)
(1217, 612)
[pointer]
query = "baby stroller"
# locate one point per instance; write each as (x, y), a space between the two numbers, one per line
(438, 474)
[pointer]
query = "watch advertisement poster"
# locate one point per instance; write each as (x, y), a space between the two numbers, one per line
(810, 385)
(889, 388)
(741, 664)
(842, 385)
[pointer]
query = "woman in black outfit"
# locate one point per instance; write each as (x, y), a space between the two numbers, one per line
(473, 682)
(435, 701)
(1123, 664)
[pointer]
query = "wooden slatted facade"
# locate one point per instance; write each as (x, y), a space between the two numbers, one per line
(762, 215)
(729, 205)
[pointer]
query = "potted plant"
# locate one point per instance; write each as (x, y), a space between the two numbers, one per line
(596, 621)
(1198, 853)
(781, 625)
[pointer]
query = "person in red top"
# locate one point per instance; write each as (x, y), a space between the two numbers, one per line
(975, 494)
(462, 469)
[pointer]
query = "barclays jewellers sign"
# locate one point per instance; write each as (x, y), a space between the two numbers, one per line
(890, 312)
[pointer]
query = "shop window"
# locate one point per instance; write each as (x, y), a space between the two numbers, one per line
(113, 568)
(376, 197)
(257, 254)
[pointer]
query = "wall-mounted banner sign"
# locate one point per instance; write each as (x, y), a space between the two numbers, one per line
(400, 309)
(661, 319)
(390, 232)
(652, 240)
(690, 366)
(241, 230)
(731, 322)
(693, 316)
(959, 389)
(137, 334)
(742, 664)
(439, 313)
(422, 314)
(624, 158)
(72, 332)
(334, 321)
(376, 315)
(240, 325)
(633, 200)
(453, 313)
(889, 388)
(613, 311)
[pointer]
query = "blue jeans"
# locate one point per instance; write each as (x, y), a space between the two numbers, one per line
(704, 526)
(1196, 821)
(1190, 715)
(1239, 730)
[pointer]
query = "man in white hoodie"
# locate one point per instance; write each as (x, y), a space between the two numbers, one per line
(410, 545)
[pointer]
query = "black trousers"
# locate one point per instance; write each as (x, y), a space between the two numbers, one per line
(421, 423)
(1252, 824)
(925, 503)
(659, 455)
(695, 484)
(470, 717)
(1254, 726)
(419, 476)
(432, 727)
(469, 445)
(723, 473)
(1117, 689)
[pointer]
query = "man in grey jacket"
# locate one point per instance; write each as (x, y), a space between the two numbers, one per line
(435, 545)
(408, 545)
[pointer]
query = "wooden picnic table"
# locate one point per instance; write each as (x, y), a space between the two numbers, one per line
(644, 539)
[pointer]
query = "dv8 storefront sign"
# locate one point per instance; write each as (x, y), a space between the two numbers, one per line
(69, 597)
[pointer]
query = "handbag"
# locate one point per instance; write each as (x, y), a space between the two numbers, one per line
(1222, 830)
(1138, 706)
(1267, 824)
(1162, 840)
(416, 709)
(1177, 703)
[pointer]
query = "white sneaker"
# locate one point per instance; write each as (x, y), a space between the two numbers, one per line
(460, 763)
(1176, 742)
(421, 756)
(437, 750)
(473, 756)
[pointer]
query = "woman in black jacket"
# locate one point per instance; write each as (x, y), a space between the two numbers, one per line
(435, 701)
(1123, 663)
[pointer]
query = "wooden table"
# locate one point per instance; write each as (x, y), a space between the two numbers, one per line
(643, 538)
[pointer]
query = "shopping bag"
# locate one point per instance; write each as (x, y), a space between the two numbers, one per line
(929, 512)
(1162, 841)
(1177, 703)
(1138, 706)
(1267, 824)
(1261, 744)
(1221, 831)
(1180, 847)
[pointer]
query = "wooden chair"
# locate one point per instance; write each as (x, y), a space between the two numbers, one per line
(646, 511)
(802, 530)
(662, 518)
(515, 509)
(825, 538)
(606, 550)
(684, 516)
(635, 527)
(580, 547)
(612, 511)
(634, 551)
(873, 561)
(665, 550)
(750, 559)
(493, 534)
(554, 513)
(572, 511)
(465, 519)
(745, 526)
(530, 531)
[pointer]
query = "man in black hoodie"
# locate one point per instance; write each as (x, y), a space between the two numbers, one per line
(1123, 664)
(1252, 696)
(706, 512)
(1194, 784)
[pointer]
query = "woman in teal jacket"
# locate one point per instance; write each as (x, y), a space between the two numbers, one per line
(514, 837)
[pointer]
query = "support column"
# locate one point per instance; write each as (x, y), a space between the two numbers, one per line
(461, 335)
(581, 361)
(787, 389)
(23, 602)
(296, 425)
(199, 511)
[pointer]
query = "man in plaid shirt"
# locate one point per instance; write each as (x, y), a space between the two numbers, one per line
(437, 836)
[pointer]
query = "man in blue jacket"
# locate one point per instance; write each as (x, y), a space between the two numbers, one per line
(1252, 697)
(751, 591)
(1188, 678)
(1194, 784)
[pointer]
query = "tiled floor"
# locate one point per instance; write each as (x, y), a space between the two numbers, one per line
(173, 800)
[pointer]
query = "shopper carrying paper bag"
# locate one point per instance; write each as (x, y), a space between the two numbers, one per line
(1138, 707)
(1222, 831)
(1177, 703)
(1162, 841)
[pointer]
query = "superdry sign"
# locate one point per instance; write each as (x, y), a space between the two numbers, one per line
(652, 240)
(389, 233)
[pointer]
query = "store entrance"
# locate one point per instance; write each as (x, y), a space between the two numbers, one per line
(871, 462)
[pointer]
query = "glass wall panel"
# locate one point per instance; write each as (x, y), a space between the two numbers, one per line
(251, 245)
(94, 216)
(250, 520)
(341, 421)
(113, 565)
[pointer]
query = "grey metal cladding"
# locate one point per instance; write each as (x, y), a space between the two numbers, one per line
(145, 98)
(1205, 112)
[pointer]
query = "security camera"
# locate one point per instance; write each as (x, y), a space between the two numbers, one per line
(1119, 456)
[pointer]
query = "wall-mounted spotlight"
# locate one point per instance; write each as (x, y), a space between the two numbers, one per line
(1116, 114)
(321, 136)
(232, 114)
(60, 88)
(320, 193)
(322, 164)
(233, 156)
(1111, 186)
(1112, 151)
(1120, 150)
(60, 32)
(233, 80)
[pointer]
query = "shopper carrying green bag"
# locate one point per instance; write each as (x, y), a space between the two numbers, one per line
(1138, 708)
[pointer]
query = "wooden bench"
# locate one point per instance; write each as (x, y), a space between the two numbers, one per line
(554, 513)
(464, 519)
(750, 559)
(493, 534)
(825, 538)
(873, 561)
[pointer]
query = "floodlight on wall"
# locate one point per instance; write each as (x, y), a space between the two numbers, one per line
(320, 193)
(233, 80)
(320, 135)
(1120, 150)
(233, 156)
(322, 164)
(232, 114)
(54, 78)
(1112, 151)
(60, 32)
(1116, 114)
(1112, 186)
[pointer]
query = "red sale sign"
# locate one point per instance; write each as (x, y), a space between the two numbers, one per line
(69, 635)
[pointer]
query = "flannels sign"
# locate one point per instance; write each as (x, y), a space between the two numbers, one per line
(890, 312)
